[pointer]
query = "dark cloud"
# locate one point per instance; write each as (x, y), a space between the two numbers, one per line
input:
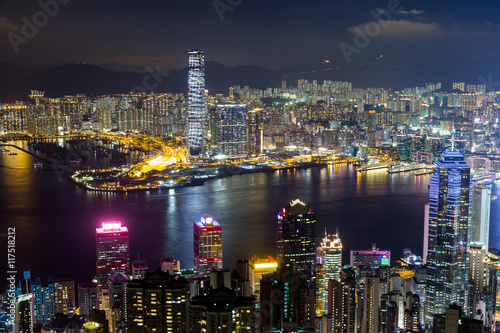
(269, 33)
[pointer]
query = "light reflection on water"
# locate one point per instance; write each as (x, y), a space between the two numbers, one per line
(56, 221)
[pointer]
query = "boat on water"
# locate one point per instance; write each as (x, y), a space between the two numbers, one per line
(374, 166)
(4, 150)
(484, 177)
(38, 165)
(494, 197)
(424, 173)
(12, 154)
(408, 167)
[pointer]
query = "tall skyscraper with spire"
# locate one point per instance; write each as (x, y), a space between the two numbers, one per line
(330, 259)
(197, 113)
(449, 216)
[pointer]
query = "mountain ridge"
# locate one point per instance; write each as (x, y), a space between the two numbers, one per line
(93, 80)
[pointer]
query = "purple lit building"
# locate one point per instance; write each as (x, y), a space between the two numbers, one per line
(374, 257)
(113, 252)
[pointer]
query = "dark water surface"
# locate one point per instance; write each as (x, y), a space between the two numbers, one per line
(55, 220)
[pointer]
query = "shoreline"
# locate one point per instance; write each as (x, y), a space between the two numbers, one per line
(201, 182)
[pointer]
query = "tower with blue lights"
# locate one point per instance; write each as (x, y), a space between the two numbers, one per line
(232, 130)
(449, 216)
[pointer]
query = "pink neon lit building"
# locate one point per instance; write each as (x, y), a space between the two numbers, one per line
(113, 252)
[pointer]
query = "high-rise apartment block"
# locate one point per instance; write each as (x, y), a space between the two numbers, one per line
(65, 296)
(87, 298)
(157, 303)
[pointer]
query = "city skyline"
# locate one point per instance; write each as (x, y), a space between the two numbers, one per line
(172, 166)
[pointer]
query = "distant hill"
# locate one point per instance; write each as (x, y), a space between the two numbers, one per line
(13, 72)
(68, 79)
(219, 78)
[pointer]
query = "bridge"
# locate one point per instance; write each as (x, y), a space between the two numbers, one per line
(43, 159)
(25, 151)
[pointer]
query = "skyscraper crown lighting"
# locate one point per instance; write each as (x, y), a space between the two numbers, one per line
(112, 252)
(108, 227)
(331, 241)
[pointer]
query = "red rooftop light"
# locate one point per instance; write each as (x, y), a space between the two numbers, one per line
(111, 225)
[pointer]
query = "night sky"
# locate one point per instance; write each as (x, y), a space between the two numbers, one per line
(268, 33)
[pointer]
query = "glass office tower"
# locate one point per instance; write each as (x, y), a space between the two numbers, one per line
(448, 223)
(232, 130)
(296, 240)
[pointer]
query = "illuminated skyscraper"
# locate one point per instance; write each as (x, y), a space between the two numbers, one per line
(371, 124)
(296, 240)
(232, 130)
(44, 301)
(24, 320)
(371, 305)
(207, 245)
(196, 100)
(330, 258)
(113, 252)
(480, 227)
(449, 220)
(259, 267)
(255, 132)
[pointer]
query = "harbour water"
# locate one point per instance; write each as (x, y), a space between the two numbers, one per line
(55, 219)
